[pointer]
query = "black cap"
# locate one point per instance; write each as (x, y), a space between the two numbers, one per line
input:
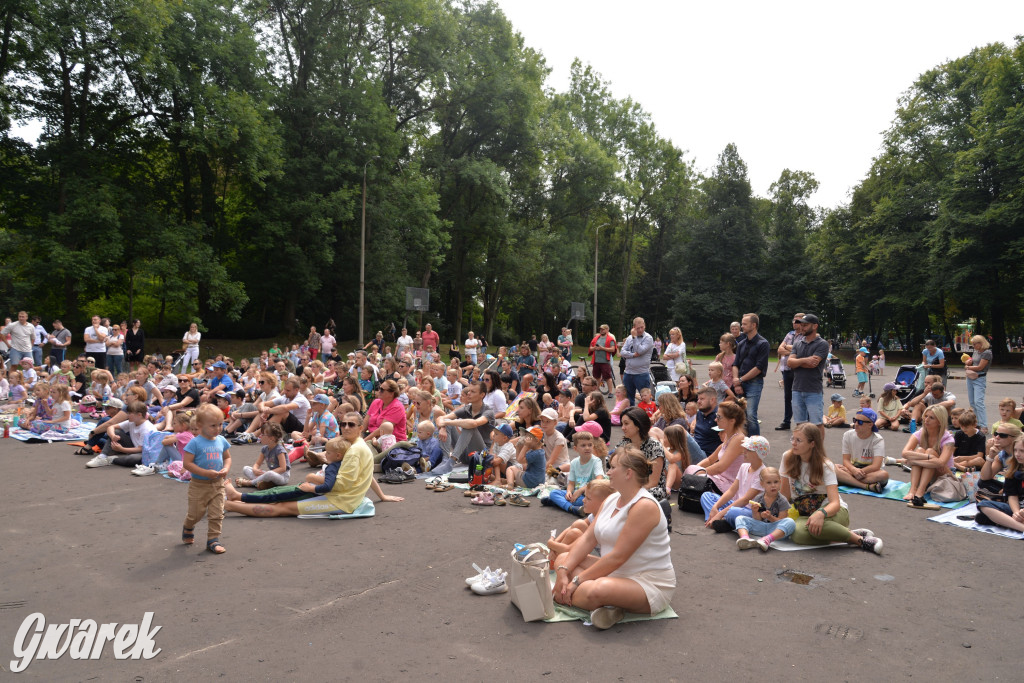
(810, 319)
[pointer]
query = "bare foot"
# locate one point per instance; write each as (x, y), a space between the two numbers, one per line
(909, 497)
(230, 492)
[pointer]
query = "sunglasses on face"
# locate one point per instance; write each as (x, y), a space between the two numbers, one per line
(1002, 436)
(861, 422)
(349, 425)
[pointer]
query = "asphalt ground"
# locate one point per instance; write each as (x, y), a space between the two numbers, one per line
(384, 598)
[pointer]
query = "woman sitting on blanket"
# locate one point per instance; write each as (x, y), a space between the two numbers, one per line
(809, 481)
(929, 452)
(1008, 514)
(634, 571)
(339, 490)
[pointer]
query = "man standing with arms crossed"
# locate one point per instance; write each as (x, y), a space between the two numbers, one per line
(785, 349)
(808, 364)
(637, 353)
(749, 368)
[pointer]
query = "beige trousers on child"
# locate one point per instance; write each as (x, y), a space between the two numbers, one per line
(206, 497)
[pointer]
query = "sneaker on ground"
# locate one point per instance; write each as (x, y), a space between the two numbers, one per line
(763, 543)
(889, 460)
(491, 583)
(866, 533)
(872, 544)
(144, 471)
(745, 543)
(479, 574)
(606, 617)
(99, 461)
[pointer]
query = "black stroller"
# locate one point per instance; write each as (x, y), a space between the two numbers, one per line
(909, 382)
(835, 376)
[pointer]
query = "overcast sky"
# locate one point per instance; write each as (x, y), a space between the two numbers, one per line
(799, 85)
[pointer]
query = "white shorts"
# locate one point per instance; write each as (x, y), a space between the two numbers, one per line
(659, 585)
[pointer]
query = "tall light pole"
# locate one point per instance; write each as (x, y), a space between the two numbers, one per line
(362, 258)
(597, 231)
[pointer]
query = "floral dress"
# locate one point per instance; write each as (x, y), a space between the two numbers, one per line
(652, 450)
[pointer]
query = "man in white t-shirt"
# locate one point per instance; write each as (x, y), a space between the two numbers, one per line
(403, 345)
(290, 410)
(472, 346)
(95, 337)
(863, 454)
(22, 337)
(327, 344)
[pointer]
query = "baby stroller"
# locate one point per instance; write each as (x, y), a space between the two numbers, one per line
(909, 382)
(659, 373)
(835, 376)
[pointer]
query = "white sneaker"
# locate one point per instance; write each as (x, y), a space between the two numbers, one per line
(606, 617)
(866, 533)
(479, 574)
(99, 461)
(745, 543)
(889, 460)
(492, 583)
(144, 471)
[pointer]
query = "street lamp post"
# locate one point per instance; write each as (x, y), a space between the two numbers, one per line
(362, 258)
(597, 230)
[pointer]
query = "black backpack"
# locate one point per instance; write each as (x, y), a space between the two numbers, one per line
(690, 490)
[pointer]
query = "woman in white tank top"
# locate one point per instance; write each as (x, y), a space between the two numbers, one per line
(634, 572)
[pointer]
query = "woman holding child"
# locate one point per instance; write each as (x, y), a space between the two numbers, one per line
(809, 481)
(636, 428)
(634, 571)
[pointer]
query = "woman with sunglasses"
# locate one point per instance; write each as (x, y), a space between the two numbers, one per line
(863, 454)
(494, 398)
(997, 456)
(386, 408)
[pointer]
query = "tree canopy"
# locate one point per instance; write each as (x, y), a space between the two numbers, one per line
(205, 160)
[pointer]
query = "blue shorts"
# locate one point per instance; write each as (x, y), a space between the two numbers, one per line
(808, 407)
(862, 377)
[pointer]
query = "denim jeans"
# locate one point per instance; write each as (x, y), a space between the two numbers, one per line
(752, 392)
(708, 500)
(559, 498)
(758, 528)
(976, 397)
(15, 356)
(633, 385)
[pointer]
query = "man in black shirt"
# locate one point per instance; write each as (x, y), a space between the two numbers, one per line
(707, 419)
(749, 369)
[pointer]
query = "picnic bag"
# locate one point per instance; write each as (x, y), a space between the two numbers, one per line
(808, 504)
(970, 481)
(947, 489)
(691, 489)
(530, 583)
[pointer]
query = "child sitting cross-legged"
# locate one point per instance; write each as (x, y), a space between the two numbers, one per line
(769, 515)
(272, 467)
(969, 443)
(597, 491)
(503, 451)
(583, 470)
(528, 469)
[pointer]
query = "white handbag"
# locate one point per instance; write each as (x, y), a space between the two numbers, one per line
(530, 583)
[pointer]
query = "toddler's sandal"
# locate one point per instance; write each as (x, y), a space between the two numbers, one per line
(214, 546)
(187, 537)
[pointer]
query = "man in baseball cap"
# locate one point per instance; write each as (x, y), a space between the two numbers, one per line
(808, 365)
(863, 454)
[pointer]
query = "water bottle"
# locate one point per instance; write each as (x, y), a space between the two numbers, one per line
(478, 475)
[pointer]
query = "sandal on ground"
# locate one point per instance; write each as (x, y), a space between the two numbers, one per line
(242, 482)
(187, 537)
(84, 451)
(876, 487)
(441, 488)
(485, 498)
(433, 482)
(518, 501)
(214, 546)
(918, 502)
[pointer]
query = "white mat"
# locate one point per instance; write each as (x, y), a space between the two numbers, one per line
(950, 519)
